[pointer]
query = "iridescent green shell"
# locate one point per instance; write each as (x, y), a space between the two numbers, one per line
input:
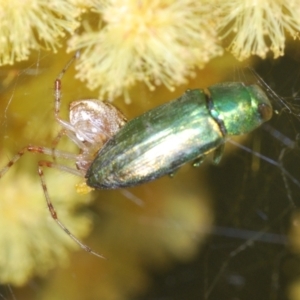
(161, 140)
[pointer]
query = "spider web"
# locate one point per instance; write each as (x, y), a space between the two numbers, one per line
(255, 192)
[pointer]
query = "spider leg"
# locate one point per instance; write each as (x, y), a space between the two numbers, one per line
(43, 150)
(52, 211)
(57, 88)
(56, 141)
(67, 66)
(71, 135)
(41, 164)
(68, 128)
(57, 83)
(12, 161)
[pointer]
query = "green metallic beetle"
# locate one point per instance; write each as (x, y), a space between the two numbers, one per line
(115, 154)
(161, 140)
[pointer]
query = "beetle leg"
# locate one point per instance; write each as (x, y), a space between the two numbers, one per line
(198, 161)
(218, 153)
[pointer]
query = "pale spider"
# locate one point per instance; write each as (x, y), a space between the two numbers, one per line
(91, 123)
